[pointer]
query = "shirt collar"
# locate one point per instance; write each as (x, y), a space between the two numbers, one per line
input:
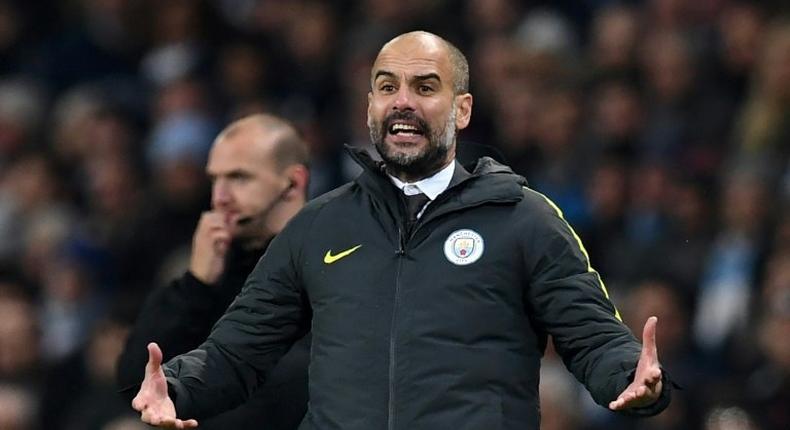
(431, 186)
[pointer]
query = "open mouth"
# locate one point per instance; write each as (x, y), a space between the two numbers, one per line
(405, 129)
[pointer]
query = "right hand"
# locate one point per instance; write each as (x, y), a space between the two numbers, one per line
(210, 244)
(152, 401)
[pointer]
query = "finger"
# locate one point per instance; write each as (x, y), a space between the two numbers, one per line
(147, 417)
(222, 247)
(178, 423)
(212, 216)
(166, 422)
(653, 376)
(186, 424)
(154, 356)
(621, 403)
(212, 220)
(649, 338)
(222, 243)
(621, 399)
(211, 227)
(138, 403)
(205, 220)
(221, 235)
(217, 227)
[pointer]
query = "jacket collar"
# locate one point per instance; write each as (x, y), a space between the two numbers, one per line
(488, 181)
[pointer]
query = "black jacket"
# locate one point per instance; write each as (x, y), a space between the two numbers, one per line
(442, 328)
(179, 317)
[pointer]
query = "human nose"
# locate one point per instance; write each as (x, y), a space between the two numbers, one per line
(403, 99)
(220, 194)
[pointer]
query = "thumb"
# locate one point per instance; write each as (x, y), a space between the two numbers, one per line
(154, 358)
(649, 338)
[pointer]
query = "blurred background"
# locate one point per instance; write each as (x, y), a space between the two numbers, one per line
(661, 127)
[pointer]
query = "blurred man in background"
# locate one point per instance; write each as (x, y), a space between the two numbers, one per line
(258, 168)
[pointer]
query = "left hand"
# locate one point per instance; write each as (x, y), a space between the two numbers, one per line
(647, 384)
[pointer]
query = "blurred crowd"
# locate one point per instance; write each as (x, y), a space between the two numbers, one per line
(660, 127)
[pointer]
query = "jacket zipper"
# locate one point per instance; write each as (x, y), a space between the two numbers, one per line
(391, 406)
(401, 252)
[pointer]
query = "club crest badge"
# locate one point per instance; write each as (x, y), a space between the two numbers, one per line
(463, 247)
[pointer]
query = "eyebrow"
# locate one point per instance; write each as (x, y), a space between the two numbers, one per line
(385, 73)
(425, 77)
(237, 172)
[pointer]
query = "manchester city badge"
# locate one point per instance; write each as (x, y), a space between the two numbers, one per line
(463, 247)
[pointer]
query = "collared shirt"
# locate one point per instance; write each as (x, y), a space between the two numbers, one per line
(431, 186)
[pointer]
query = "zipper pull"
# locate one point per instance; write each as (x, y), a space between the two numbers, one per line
(401, 251)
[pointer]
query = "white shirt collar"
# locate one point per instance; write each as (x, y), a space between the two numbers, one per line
(431, 186)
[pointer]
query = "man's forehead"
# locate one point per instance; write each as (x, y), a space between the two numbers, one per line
(245, 149)
(418, 55)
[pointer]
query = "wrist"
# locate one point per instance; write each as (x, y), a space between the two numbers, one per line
(195, 295)
(664, 389)
(203, 277)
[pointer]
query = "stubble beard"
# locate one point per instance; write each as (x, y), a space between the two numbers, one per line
(423, 163)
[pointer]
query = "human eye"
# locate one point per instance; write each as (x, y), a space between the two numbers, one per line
(425, 89)
(386, 87)
(239, 177)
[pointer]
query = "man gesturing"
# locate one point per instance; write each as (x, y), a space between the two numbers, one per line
(430, 287)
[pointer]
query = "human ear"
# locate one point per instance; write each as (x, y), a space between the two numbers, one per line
(463, 110)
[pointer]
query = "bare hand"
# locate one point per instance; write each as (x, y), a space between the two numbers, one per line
(210, 243)
(152, 401)
(647, 384)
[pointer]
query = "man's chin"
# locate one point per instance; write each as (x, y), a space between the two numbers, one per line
(401, 159)
(248, 239)
(404, 151)
(415, 167)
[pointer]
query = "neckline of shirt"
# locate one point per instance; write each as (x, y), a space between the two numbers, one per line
(431, 186)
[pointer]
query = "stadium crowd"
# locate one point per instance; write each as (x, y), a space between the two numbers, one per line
(660, 127)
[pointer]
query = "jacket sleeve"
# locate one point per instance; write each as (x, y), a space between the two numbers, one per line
(178, 317)
(261, 324)
(568, 300)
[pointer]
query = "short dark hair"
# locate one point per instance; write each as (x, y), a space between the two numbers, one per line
(460, 68)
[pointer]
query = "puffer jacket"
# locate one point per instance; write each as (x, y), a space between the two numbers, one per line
(441, 328)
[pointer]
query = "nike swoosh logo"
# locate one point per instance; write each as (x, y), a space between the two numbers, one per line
(329, 258)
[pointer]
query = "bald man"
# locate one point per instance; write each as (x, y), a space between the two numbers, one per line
(258, 168)
(430, 286)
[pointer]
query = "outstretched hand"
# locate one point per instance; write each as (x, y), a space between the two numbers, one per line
(647, 384)
(152, 401)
